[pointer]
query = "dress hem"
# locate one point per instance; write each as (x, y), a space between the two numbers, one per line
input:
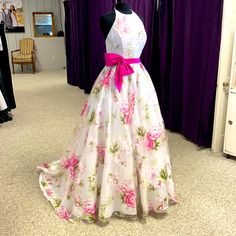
(100, 220)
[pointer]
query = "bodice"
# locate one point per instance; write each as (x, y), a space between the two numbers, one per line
(127, 36)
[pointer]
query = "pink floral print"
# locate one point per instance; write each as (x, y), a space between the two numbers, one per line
(49, 192)
(45, 165)
(126, 29)
(152, 138)
(160, 206)
(72, 172)
(128, 195)
(122, 26)
(101, 152)
(89, 208)
(106, 80)
(120, 22)
(77, 201)
(127, 110)
(71, 162)
(84, 108)
(63, 213)
(125, 117)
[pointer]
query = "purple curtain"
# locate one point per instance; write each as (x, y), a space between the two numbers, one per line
(189, 35)
(76, 43)
(85, 44)
(84, 41)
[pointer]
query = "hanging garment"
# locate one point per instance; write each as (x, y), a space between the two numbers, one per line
(6, 18)
(5, 72)
(14, 19)
(1, 47)
(117, 162)
(3, 105)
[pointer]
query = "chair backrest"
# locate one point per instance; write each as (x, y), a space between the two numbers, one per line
(26, 46)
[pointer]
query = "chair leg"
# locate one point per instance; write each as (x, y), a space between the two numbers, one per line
(13, 68)
(22, 68)
(33, 67)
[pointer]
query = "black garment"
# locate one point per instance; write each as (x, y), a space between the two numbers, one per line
(5, 73)
(4, 116)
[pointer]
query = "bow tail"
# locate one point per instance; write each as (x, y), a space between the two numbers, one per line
(118, 78)
(121, 71)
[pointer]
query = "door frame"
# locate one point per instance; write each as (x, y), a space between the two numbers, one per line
(224, 70)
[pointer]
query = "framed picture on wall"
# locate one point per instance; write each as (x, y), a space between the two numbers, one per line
(11, 15)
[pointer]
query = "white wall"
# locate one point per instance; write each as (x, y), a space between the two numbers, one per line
(227, 38)
(50, 52)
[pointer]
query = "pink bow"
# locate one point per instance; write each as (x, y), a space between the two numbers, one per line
(123, 67)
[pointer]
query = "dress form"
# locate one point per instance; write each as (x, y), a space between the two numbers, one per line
(106, 21)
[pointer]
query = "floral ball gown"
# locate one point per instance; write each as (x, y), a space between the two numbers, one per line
(117, 162)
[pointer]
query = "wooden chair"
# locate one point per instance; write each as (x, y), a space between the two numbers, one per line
(24, 55)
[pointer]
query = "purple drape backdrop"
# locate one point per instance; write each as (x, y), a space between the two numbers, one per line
(74, 41)
(189, 35)
(181, 55)
(85, 44)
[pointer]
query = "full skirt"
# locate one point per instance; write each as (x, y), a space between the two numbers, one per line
(117, 161)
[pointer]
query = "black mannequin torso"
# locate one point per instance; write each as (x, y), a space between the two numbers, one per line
(106, 21)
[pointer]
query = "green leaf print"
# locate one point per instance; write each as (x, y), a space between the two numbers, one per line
(114, 148)
(102, 211)
(104, 72)
(122, 197)
(89, 218)
(92, 188)
(163, 174)
(81, 183)
(92, 184)
(57, 203)
(43, 183)
(103, 207)
(92, 117)
(98, 190)
(96, 90)
(122, 118)
(141, 131)
(157, 145)
(146, 111)
(129, 78)
(151, 188)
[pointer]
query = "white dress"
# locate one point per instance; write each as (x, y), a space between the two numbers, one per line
(14, 20)
(3, 105)
(117, 162)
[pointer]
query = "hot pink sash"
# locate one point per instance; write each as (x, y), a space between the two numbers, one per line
(123, 67)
